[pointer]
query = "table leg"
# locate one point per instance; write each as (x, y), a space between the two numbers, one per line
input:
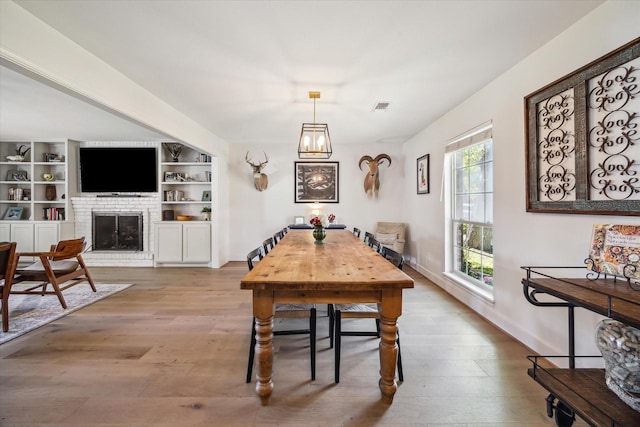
(391, 308)
(263, 310)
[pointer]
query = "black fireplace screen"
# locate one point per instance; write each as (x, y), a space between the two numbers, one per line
(117, 231)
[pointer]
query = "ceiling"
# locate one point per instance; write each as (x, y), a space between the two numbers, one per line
(243, 69)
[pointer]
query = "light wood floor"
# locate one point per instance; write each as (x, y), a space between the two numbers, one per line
(172, 351)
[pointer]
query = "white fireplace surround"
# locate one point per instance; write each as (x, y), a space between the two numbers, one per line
(84, 207)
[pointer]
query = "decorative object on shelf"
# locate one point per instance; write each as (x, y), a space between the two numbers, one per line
(13, 213)
(615, 250)
(47, 176)
(51, 157)
(316, 182)
(315, 142)
(207, 213)
(372, 179)
(260, 180)
(17, 175)
(331, 218)
(619, 345)
(175, 149)
(21, 152)
(422, 178)
(581, 147)
(320, 223)
(184, 217)
(175, 177)
(168, 215)
(50, 192)
(206, 196)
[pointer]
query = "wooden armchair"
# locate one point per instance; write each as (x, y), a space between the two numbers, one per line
(62, 267)
(8, 261)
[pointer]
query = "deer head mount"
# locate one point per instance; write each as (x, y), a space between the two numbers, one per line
(372, 179)
(260, 180)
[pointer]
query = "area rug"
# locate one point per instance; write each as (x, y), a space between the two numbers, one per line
(28, 312)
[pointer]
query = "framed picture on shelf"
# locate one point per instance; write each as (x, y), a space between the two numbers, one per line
(316, 182)
(206, 196)
(422, 177)
(17, 175)
(174, 177)
(13, 213)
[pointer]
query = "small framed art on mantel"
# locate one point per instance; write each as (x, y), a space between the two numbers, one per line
(422, 177)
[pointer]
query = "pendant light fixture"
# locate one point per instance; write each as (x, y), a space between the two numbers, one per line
(314, 139)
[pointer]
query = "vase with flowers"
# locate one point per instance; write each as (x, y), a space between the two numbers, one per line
(319, 222)
(331, 218)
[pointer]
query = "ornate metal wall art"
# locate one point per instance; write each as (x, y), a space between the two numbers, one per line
(583, 139)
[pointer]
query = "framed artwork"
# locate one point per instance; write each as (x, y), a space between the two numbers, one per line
(17, 175)
(582, 146)
(422, 177)
(13, 213)
(316, 182)
(175, 177)
(206, 196)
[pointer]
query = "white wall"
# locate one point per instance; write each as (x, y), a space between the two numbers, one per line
(257, 215)
(520, 238)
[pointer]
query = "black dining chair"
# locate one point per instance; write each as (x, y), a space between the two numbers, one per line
(268, 244)
(284, 311)
(360, 311)
(367, 236)
(356, 231)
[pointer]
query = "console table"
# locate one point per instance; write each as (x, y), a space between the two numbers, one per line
(309, 227)
(581, 391)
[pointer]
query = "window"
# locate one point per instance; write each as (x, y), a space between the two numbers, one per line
(471, 209)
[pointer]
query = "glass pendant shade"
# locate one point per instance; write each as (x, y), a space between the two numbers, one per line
(315, 142)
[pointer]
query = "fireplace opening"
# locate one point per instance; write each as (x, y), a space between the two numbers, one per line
(117, 231)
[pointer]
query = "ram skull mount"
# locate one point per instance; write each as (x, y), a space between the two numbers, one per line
(372, 179)
(260, 180)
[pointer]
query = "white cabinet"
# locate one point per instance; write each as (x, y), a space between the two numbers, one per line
(180, 242)
(35, 236)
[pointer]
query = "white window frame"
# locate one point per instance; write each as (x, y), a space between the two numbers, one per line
(480, 134)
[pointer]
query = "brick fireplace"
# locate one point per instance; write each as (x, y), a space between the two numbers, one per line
(84, 209)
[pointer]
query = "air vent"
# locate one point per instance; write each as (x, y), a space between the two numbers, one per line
(381, 106)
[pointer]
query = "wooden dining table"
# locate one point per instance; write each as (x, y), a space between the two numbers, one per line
(342, 269)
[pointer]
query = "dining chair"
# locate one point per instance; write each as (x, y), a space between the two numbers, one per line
(374, 244)
(284, 311)
(394, 257)
(360, 311)
(268, 244)
(367, 236)
(8, 262)
(356, 231)
(62, 267)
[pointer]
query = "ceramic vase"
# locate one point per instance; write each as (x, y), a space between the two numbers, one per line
(319, 233)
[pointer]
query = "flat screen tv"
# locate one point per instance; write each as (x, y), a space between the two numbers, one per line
(118, 170)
